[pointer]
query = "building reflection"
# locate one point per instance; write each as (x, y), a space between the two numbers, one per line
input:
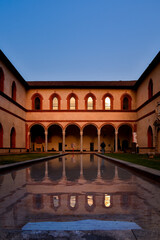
(75, 185)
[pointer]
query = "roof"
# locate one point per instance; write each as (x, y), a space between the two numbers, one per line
(10, 66)
(82, 84)
(148, 70)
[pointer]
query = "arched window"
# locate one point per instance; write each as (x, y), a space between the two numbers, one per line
(13, 91)
(72, 102)
(107, 103)
(1, 80)
(37, 101)
(55, 103)
(13, 138)
(150, 137)
(90, 101)
(107, 100)
(126, 102)
(1, 136)
(150, 89)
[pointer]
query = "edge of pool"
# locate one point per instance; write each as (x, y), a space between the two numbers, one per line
(21, 164)
(149, 172)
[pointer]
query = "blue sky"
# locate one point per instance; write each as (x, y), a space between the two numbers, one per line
(58, 40)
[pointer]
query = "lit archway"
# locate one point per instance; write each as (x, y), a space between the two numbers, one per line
(90, 138)
(72, 140)
(55, 138)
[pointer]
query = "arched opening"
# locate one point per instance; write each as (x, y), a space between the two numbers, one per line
(124, 138)
(54, 101)
(90, 140)
(72, 141)
(107, 102)
(55, 138)
(108, 136)
(37, 101)
(90, 101)
(150, 137)
(1, 136)
(72, 102)
(1, 80)
(126, 102)
(13, 138)
(150, 89)
(13, 91)
(37, 138)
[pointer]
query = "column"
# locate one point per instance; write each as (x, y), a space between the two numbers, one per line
(64, 140)
(46, 141)
(81, 136)
(99, 132)
(116, 140)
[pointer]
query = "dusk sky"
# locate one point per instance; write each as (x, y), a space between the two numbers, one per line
(58, 40)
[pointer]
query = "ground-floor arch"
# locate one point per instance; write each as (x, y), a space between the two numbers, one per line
(90, 140)
(37, 133)
(55, 138)
(108, 137)
(125, 138)
(72, 138)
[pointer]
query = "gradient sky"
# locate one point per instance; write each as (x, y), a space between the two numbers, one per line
(58, 40)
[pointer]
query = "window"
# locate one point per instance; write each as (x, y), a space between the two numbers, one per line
(90, 103)
(107, 200)
(150, 137)
(150, 89)
(73, 201)
(13, 94)
(72, 105)
(72, 102)
(56, 201)
(1, 136)
(90, 200)
(107, 103)
(13, 138)
(37, 101)
(126, 102)
(1, 80)
(55, 103)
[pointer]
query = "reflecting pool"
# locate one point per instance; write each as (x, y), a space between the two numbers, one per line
(77, 187)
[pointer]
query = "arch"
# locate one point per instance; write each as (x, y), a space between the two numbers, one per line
(72, 140)
(125, 137)
(90, 138)
(108, 124)
(37, 133)
(1, 136)
(34, 124)
(92, 104)
(107, 135)
(126, 102)
(13, 94)
(69, 124)
(150, 137)
(125, 124)
(72, 101)
(55, 137)
(37, 101)
(53, 105)
(58, 124)
(1, 80)
(87, 124)
(13, 138)
(105, 105)
(150, 89)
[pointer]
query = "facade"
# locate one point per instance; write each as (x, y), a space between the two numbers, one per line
(79, 116)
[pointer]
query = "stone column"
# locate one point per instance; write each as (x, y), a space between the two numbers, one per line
(64, 140)
(99, 132)
(46, 141)
(81, 136)
(116, 140)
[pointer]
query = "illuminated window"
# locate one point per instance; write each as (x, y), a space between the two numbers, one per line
(107, 103)
(55, 103)
(56, 201)
(72, 201)
(107, 200)
(90, 103)
(72, 103)
(90, 200)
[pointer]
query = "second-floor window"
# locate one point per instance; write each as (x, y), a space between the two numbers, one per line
(90, 103)
(107, 103)
(37, 103)
(55, 103)
(72, 103)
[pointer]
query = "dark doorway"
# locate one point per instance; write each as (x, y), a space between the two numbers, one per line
(91, 146)
(125, 145)
(60, 146)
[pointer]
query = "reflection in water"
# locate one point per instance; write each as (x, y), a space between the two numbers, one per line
(79, 187)
(107, 200)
